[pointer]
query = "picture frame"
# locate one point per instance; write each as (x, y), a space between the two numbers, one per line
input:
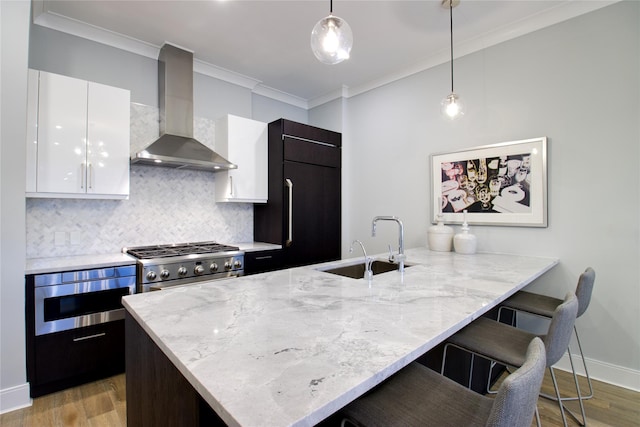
(501, 184)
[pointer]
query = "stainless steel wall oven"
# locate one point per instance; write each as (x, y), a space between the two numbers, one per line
(76, 299)
(75, 325)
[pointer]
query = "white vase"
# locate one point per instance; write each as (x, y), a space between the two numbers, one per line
(465, 242)
(440, 237)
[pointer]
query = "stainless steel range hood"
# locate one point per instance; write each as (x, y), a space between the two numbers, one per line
(176, 146)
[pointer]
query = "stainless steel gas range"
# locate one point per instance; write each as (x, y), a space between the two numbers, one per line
(162, 266)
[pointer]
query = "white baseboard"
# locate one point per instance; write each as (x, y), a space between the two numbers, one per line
(15, 398)
(602, 371)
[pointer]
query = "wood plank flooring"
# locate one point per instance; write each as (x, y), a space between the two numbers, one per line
(96, 404)
(103, 403)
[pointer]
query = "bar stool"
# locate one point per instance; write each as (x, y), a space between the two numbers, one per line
(418, 396)
(507, 345)
(543, 306)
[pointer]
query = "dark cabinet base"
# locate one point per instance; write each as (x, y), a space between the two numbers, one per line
(65, 359)
(157, 393)
(262, 261)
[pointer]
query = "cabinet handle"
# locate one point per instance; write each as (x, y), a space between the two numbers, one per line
(89, 176)
(290, 186)
(83, 175)
(230, 186)
(88, 337)
(263, 257)
(313, 141)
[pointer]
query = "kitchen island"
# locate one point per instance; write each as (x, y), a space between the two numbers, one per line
(292, 347)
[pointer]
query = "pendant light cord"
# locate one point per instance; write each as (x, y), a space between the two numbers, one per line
(451, 38)
(330, 7)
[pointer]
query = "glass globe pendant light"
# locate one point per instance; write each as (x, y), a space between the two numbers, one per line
(331, 39)
(451, 107)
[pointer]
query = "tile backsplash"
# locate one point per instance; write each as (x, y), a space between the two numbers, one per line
(164, 206)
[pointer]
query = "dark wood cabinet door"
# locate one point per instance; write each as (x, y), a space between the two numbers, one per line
(262, 261)
(68, 358)
(316, 218)
(310, 158)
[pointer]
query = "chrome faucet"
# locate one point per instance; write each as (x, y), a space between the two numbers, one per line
(368, 274)
(399, 257)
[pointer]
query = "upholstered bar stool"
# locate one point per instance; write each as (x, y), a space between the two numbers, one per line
(507, 345)
(418, 396)
(543, 306)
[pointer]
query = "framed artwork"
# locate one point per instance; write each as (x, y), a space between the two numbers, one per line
(500, 184)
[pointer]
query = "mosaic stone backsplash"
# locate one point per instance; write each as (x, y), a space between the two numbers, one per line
(164, 206)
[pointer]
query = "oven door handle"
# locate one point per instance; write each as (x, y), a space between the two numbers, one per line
(289, 185)
(86, 287)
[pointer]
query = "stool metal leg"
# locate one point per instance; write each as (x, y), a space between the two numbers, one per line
(573, 371)
(584, 365)
(555, 386)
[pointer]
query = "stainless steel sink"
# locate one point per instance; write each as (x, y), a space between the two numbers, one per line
(356, 271)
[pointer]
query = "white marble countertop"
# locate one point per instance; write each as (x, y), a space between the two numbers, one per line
(77, 262)
(291, 347)
(82, 262)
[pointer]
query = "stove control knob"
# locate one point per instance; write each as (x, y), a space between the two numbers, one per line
(213, 267)
(164, 274)
(237, 264)
(227, 265)
(198, 270)
(182, 271)
(151, 275)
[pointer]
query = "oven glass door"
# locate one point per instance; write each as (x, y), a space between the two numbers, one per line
(74, 305)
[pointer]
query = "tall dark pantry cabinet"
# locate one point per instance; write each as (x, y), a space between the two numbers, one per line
(303, 213)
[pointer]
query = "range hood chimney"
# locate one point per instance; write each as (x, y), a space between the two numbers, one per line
(176, 146)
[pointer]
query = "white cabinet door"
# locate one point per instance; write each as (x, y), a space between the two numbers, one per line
(243, 142)
(62, 129)
(77, 138)
(108, 140)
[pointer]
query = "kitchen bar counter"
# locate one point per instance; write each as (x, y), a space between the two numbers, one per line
(292, 347)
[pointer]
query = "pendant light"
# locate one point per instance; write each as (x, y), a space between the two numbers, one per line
(331, 39)
(451, 107)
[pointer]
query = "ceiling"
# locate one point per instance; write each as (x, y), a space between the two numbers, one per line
(264, 44)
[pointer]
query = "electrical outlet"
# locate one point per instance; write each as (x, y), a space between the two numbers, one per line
(74, 238)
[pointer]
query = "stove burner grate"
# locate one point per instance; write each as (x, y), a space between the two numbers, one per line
(171, 250)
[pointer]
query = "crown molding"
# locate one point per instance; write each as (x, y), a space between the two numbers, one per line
(81, 29)
(279, 95)
(343, 92)
(219, 73)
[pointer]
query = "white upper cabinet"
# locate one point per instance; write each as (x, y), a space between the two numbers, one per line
(108, 140)
(81, 146)
(243, 142)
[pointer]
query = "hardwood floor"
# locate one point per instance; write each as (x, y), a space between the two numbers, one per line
(103, 403)
(100, 403)
(610, 405)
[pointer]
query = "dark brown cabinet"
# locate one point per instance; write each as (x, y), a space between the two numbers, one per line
(69, 358)
(59, 356)
(262, 261)
(303, 213)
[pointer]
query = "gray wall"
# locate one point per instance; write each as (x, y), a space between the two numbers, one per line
(267, 110)
(61, 53)
(14, 39)
(578, 84)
